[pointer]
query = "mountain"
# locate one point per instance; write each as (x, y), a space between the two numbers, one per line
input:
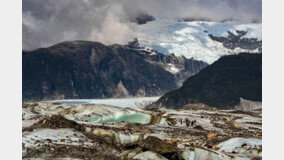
(199, 38)
(83, 69)
(142, 18)
(221, 84)
(233, 41)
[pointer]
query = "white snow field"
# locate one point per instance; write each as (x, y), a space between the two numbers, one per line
(190, 39)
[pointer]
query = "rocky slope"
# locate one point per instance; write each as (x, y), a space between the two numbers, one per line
(83, 69)
(221, 84)
(238, 42)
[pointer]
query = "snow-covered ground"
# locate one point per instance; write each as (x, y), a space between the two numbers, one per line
(136, 102)
(191, 39)
(57, 136)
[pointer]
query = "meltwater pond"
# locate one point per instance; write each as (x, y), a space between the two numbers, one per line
(135, 102)
(131, 118)
(112, 110)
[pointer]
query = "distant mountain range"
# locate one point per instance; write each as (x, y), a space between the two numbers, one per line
(221, 84)
(84, 69)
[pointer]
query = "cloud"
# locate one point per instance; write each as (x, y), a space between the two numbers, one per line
(47, 22)
(112, 31)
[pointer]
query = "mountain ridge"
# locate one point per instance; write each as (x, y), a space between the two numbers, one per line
(85, 69)
(221, 84)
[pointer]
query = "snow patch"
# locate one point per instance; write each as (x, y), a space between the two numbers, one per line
(199, 154)
(172, 68)
(231, 144)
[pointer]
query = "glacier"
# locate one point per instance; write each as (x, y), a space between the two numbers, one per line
(132, 102)
(190, 39)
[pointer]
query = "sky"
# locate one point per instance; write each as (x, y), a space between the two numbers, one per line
(47, 22)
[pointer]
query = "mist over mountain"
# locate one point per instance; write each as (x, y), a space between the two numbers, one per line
(85, 70)
(179, 38)
(83, 20)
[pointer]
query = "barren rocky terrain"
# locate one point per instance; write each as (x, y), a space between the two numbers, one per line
(94, 131)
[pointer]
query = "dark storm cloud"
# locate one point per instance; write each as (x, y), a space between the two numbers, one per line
(46, 22)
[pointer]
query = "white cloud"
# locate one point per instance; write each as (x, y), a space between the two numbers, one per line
(49, 22)
(112, 31)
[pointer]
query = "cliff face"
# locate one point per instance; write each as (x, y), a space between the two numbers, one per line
(82, 69)
(221, 84)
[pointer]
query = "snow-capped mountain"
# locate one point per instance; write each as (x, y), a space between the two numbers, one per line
(196, 40)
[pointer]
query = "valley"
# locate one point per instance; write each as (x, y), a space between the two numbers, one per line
(182, 89)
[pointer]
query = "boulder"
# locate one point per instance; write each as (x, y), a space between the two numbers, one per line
(149, 155)
(157, 145)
